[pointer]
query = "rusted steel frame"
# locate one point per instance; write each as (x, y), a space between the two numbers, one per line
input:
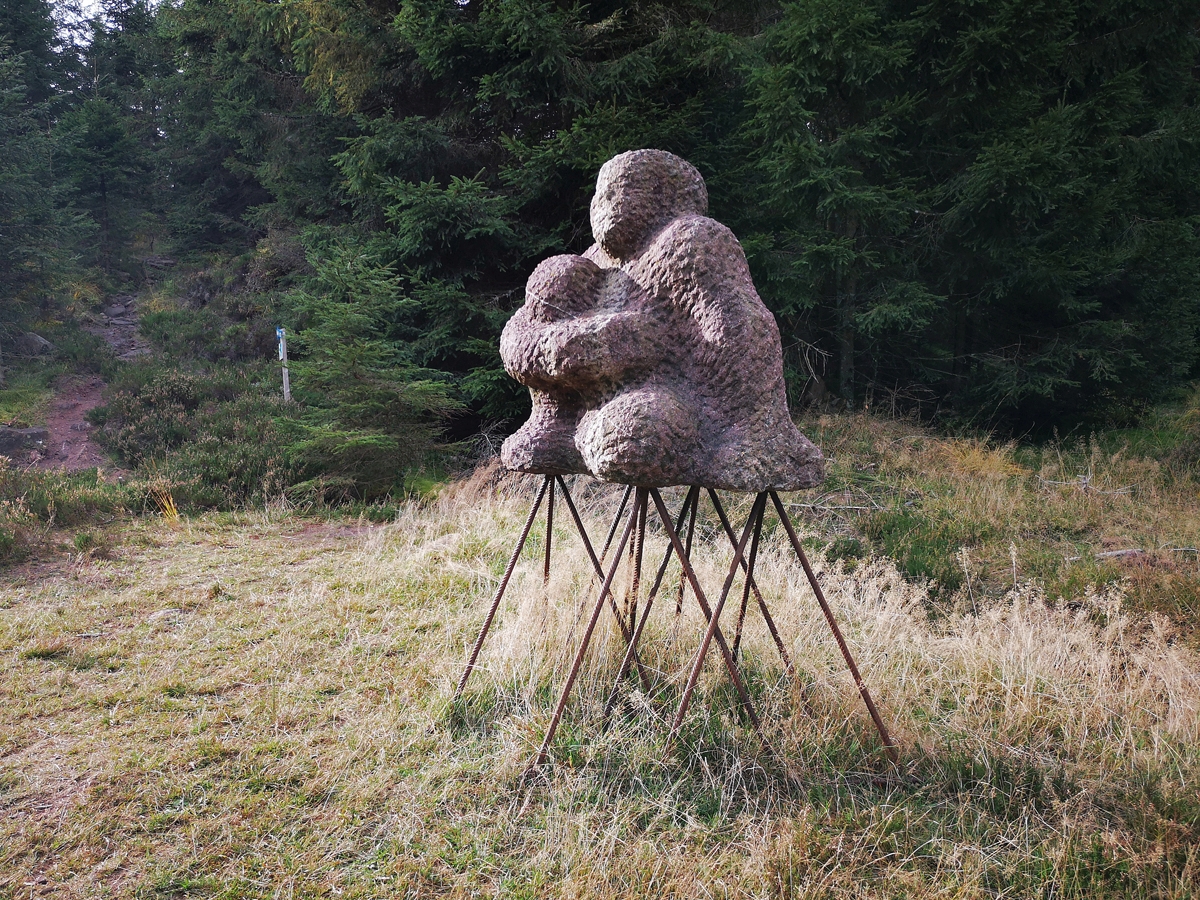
(888, 746)
(713, 625)
(762, 604)
(691, 531)
(512, 564)
(612, 529)
(690, 501)
(549, 533)
(730, 664)
(577, 663)
(746, 582)
(599, 570)
(635, 583)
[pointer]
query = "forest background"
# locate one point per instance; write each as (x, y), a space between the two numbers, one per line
(984, 214)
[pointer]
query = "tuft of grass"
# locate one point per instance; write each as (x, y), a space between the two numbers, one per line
(54, 649)
(24, 397)
(293, 734)
(165, 502)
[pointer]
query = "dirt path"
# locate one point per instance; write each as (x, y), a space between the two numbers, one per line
(118, 325)
(69, 446)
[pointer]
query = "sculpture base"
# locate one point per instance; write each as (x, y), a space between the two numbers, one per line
(632, 545)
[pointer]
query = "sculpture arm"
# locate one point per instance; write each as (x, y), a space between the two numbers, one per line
(588, 351)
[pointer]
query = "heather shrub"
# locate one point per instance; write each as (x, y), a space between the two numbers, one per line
(208, 335)
(214, 435)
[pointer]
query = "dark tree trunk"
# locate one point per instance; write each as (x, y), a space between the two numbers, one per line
(847, 303)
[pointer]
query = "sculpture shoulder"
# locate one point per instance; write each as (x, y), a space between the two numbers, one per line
(696, 228)
(699, 264)
(698, 243)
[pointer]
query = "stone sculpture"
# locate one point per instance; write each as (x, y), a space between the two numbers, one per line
(651, 359)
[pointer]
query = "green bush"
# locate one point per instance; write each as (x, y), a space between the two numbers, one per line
(207, 334)
(926, 544)
(223, 437)
(238, 453)
(213, 435)
(80, 351)
(152, 408)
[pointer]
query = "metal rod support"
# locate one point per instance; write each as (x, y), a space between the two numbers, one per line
(635, 583)
(612, 529)
(730, 663)
(549, 532)
(599, 570)
(747, 581)
(692, 498)
(512, 564)
(691, 531)
(577, 663)
(714, 619)
(758, 597)
(888, 746)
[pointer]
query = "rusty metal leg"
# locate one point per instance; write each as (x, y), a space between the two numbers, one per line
(758, 597)
(691, 531)
(888, 746)
(730, 664)
(747, 581)
(512, 564)
(693, 497)
(713, 622)
(549, 533)
(577, 663)
(626, 632)
(635, 583)
(612, 529)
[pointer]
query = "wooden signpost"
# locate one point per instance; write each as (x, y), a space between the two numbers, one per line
(287, 384)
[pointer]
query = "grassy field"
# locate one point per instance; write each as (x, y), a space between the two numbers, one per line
(978, 518)
(259, 705)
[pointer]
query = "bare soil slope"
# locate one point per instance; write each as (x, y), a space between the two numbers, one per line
(70, 446)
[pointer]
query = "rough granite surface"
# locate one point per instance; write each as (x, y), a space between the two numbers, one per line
(651, 359)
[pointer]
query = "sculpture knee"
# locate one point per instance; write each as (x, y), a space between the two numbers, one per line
(646, 435)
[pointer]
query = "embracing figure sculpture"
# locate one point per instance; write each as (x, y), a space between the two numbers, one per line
(650, 359)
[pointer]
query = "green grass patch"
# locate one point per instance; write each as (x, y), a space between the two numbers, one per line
(34, 502)
(978, 517)
(24, 397)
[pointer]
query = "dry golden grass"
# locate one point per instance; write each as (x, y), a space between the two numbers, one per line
(979, 517)
(259, 706)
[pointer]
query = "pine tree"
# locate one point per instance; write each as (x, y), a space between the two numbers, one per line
(1000, 198)
(27, 28)
(483, 126)
(106, 170)
(34, 230)
(246, 147)
(829, 105)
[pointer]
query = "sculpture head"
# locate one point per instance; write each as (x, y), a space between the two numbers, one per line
(640, 191)
(563, 287)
